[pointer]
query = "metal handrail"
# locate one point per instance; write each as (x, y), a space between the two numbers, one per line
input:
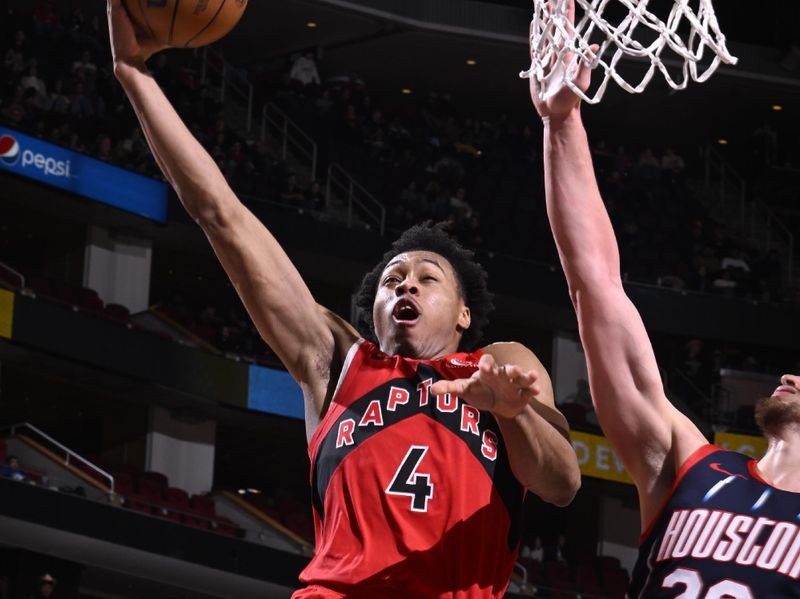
(772, 219)
(350, 186)
(16, 272)
(290, 131)
(747, 221)
(69, 453)
(726, 172)
(228, 79)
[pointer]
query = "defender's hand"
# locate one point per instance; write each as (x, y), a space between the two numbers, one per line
(560, 100)
(128, 47)
(503, 390)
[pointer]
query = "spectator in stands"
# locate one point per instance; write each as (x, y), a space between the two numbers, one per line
(291, 192)
(47, 587)
(648, 166)
(33, 81)
(315, 197)
(459, 206)
(535, 553)
(14, 60)
(58, 102)
(304, 70)
(672, 165)
(562, 551)
(12, 469)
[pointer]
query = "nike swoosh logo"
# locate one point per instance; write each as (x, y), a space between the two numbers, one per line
(716, 466)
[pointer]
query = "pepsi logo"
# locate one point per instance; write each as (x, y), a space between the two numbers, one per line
(9, 150)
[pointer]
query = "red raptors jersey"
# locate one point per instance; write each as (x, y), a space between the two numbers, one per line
(413, 494)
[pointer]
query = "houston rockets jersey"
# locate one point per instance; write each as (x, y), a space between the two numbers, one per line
(724, 533)
(413, 494)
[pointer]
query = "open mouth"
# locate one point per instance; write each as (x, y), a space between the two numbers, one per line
(785, 390)
(405, 312)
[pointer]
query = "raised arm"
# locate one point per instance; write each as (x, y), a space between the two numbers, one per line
(650, 435)
(305, 337)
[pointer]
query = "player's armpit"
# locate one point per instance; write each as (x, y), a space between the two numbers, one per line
(276, 297)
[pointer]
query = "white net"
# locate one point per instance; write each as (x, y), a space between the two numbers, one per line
(623, 28)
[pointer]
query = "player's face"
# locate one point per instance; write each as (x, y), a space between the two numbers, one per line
(782, 408)
(789, 387)
(418, 310)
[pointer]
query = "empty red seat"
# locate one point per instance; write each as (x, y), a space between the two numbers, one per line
(196, 519)
(615, 583)
(89, 300)
(123, 483)
(203, 504)
(150, 488)
(607, 562)
(555, 572)
(139, 503)
(66, 292)
(117, 312)
(153, 483)
(174, 504)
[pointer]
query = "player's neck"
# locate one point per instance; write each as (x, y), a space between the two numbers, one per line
(781, 464)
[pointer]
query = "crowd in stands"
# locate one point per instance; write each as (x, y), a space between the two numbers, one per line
(429, 160)
(426, 158)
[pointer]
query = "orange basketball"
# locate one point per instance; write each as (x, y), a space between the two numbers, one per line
(186, 23)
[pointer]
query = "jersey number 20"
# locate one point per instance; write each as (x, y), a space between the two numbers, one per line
(693, 584)
(407, 481)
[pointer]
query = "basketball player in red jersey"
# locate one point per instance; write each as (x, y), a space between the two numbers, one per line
(417, 485)
(715, 524)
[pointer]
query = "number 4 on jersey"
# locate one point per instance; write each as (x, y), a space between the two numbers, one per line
(407, 481)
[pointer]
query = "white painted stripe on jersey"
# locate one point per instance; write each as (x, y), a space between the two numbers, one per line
(764, 496)
(718, 487)
(351, 353)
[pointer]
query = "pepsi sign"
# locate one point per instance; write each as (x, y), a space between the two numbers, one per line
(9, 150)
(88, 177)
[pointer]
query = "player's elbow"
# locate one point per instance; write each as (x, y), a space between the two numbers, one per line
(560, 488)
(562, 494)
(210, 209)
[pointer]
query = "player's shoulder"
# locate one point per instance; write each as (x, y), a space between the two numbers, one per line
(512, 352)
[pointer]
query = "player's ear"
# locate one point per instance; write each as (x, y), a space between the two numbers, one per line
(464, 318)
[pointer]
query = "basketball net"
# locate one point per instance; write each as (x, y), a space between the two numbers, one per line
(557, 45)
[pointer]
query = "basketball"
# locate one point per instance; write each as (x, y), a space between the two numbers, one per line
(187, 24)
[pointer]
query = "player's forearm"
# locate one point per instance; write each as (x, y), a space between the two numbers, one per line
(541, 457)
(581, 227)
(187, 166)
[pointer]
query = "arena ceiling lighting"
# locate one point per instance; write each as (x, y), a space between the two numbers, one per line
(311, 24)
(777, 107)
(472, 62)
(406, 91)
(722, 142)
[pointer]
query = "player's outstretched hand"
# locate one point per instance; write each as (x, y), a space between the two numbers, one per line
(559, 100)
(502, 390)
(128, 47)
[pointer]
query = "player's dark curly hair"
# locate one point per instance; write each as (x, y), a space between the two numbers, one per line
(470, 275)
